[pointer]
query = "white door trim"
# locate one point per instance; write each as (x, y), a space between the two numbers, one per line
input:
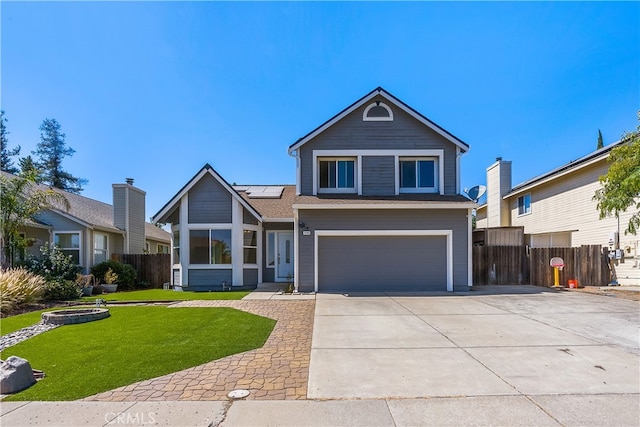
(336, 233)
(277, 277)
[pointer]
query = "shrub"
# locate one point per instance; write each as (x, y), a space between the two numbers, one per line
(61, 290)
(54, 264)
(126, 274)
(19, 286)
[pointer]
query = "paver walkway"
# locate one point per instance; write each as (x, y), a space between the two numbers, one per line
(278, 370)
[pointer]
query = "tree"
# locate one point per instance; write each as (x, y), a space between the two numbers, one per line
(600, 140)
(51, 150)
(29, 168)
(21, 201)
(621, 184)
(6, 164)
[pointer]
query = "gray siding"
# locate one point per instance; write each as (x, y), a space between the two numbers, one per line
(206, 280)
(248, 218)
(403, 133)
(385, 219)
(209, 202)
(136, 225)
(250, 276)
(378, 176)
(375, 263)
(119, 202)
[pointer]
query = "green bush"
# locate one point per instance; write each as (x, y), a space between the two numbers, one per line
(126, 274)
(19, 286)
(61, 290)
(54, 264)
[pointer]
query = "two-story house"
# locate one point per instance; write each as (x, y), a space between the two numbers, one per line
(376, 207)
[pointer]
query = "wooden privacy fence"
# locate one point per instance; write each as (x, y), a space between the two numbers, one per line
(152, 268)
(586, 264)
(519, 265)
(500, 265)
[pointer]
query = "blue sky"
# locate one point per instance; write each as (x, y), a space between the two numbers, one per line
(154, 91)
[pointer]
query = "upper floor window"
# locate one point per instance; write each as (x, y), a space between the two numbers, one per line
(524, 204)
(377, 111)
(418, 175)
(337, 175)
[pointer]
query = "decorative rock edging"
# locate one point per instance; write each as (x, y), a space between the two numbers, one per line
(24, 333)
(68, 317)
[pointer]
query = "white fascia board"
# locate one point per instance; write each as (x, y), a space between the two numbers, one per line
(336, 119)
(426, 205)
(266, 219)
(197, 178)
(397, 103)
(550, 178)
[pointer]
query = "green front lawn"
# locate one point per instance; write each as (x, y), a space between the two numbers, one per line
(134, 344)
(167, 295)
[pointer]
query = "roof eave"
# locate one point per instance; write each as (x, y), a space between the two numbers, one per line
(379, 91)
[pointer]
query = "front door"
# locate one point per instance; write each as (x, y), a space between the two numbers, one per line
(285, 255)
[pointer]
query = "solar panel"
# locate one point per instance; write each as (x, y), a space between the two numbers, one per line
(264, 192)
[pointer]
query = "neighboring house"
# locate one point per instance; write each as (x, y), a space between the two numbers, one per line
(556, 209)
(376, 206)
(91, 231)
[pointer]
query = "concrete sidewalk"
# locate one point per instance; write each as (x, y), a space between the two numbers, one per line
(539, 410)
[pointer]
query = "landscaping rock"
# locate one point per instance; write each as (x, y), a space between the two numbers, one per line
(15, 375)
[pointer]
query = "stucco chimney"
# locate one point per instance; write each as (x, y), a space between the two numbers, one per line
(129, 215)
(498, 185)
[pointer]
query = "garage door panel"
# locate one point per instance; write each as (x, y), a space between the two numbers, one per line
(387, 263)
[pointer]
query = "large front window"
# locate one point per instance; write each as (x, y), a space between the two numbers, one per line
(99, 248)
(210, 247)
(69, 243)
(336, 175)
(418, 175)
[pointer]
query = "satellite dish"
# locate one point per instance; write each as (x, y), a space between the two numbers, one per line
(476, 192)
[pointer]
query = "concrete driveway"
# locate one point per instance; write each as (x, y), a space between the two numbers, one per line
(544, 354)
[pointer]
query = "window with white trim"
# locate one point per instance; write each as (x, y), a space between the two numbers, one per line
(100, 248)
(524, 204)
(418, 175)
(176, 246)
(69, 244)
(162, 249)
(271, 249)
(250, 246)
(211, 247)
(336, 175)
(377, 112)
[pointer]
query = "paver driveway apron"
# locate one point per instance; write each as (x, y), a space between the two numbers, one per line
(408, 346)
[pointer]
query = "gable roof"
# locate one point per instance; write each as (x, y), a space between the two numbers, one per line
(273, 209)
(89, 212)
(571, 166)
(365, 99)
(206, 169)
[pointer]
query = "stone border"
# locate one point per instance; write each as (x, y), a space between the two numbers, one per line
(71, 317)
